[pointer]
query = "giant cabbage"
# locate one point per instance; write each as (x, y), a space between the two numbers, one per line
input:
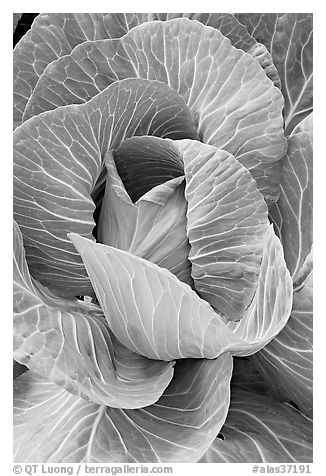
(163, 238)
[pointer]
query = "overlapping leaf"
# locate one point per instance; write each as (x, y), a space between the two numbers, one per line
(226, 221)
(232, 100)
(288, 36)
(148, 309)
(70, 343)
(292, 215)
(230, 27)
(145, 162)
(271, 306)
(237, 33)
(286, 363)
(154, 314)
(58, 158)
(260, 25)
(93, 65)
(54, 35)
(226, 225)
(259, 429)
(153, 228)
(51, 425)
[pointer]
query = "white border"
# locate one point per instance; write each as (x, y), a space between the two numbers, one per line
(319, 466)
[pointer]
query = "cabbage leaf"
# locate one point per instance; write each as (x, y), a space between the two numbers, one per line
(53, 425)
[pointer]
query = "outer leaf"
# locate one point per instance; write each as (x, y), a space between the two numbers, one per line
(154, 314)
(261, 26)
(58, 84)
(292, 215)
(226, 224)
(286, 362)
(70, 343)
(288, 37)
(154, 228)
(51, 425)
(58, 158)
(259, 429)
(271, 306)
(233, 102)
(230, 27)
(53, 35)
(292, 55)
